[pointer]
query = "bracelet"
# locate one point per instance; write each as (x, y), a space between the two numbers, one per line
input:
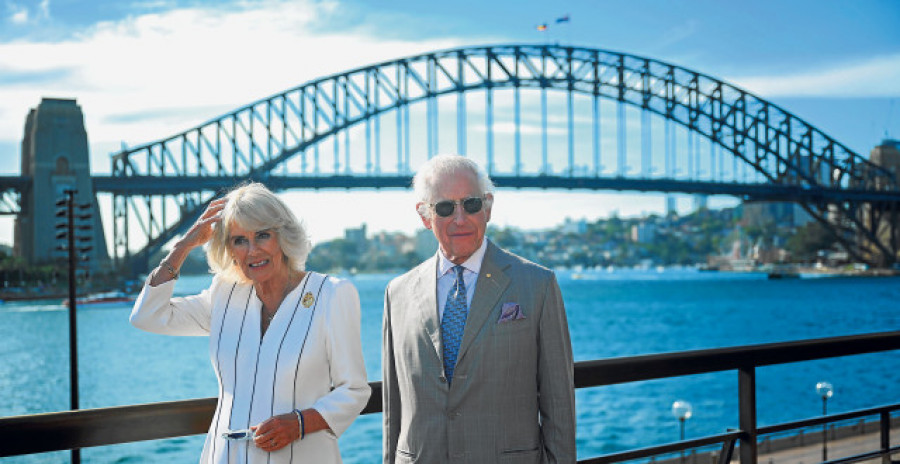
(302, 425)
(169, 268)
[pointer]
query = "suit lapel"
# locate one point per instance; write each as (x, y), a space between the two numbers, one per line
(425, 291)
(492, 282)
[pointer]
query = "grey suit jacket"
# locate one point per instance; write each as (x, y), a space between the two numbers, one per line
(512, 399)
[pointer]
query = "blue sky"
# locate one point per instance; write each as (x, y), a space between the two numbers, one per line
(143, 70)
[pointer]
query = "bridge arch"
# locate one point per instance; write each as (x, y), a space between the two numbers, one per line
(788, 157)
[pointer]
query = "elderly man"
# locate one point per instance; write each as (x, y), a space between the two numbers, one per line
(477, 358)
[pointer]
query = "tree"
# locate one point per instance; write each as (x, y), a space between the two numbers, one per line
(809, 239)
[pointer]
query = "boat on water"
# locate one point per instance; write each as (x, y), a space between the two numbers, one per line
(104, 298)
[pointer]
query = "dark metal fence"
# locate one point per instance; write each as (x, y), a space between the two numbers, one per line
(56, 431)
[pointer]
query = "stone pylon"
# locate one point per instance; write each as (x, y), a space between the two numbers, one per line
(55, 156)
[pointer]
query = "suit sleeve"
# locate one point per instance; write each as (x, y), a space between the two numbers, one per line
(390, 394)
(350, 389)
(556, 379)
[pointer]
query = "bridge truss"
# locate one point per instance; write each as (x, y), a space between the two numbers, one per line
(538, 109)
(11, 194)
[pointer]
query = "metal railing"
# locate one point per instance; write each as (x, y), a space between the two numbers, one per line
(57, 431)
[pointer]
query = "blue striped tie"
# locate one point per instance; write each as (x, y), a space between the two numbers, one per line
(454, 322)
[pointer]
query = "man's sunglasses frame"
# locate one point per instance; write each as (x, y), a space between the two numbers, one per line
(446, 208)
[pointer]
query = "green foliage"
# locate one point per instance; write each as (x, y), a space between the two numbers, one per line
(808, 240)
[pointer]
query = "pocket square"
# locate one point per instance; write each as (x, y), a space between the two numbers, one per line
(510, 312)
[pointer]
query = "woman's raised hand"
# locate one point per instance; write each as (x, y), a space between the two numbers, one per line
(202, 230)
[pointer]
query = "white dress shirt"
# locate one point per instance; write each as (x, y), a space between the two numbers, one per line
(446, 277)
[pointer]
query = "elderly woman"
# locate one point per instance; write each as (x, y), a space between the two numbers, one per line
(284, 342)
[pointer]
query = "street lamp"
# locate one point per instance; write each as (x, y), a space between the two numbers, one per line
(825, 390)
(682, 411)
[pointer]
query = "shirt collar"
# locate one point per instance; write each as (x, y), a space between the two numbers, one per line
(472, 264)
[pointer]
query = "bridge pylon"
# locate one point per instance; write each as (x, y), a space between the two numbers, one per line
(55, 158)
(883, 218)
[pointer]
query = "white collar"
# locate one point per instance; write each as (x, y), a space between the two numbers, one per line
(473, 263)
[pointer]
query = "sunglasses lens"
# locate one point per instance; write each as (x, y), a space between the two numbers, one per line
(444, 208)
(472, 205)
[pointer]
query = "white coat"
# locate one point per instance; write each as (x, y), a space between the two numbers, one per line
(309, 357)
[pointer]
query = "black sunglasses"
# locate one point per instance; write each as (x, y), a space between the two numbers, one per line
(470, 205)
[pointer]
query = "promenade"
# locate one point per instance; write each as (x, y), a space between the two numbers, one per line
(805, 447)
(811, 450)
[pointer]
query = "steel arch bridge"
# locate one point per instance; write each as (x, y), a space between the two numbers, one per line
(541, 127)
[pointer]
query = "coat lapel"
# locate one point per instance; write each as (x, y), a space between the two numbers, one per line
(492, 282)
(425, 290)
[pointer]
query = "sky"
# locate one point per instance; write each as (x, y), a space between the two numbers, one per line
(146, 69)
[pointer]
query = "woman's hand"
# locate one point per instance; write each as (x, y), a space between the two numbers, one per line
(276, 432)
(199, 233)
(202, 230)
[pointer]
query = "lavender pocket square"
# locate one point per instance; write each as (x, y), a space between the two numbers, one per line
(510, 312)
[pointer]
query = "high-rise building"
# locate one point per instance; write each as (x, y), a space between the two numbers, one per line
(671, 205)
(701, 202)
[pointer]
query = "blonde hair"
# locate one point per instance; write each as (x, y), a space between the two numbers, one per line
(426, 179)
(255, 207)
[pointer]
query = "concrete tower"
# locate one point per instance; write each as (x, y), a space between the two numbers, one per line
(55, 156)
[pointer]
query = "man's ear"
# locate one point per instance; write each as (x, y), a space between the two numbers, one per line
(420, 210)
(488, 205)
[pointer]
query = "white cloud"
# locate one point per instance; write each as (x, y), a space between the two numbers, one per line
(180, 64)
(19, 14)
(875, 77)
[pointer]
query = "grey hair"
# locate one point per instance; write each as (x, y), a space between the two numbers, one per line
(255, 207)
(425, 180)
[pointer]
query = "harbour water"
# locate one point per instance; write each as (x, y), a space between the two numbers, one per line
(611, 314)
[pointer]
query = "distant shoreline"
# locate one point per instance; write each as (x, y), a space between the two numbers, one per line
(774, 272)
(793, 271)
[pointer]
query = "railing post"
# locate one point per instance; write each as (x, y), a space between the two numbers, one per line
(885, 437)
(747, 413)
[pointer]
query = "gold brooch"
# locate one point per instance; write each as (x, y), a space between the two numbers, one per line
(308, 300)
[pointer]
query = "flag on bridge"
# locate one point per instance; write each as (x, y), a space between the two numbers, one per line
(562, 19)
(542, 27)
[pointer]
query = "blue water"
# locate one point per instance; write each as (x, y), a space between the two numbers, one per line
(622, 313)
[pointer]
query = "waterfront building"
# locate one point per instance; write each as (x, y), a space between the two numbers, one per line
(645, 232)
(357, 237)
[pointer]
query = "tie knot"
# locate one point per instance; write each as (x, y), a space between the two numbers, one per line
(459, 271)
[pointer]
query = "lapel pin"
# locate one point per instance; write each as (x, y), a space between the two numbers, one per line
(488, 275)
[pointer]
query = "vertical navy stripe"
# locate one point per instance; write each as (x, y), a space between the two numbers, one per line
(281, 344)
(218, 414)
(278, 355)
(237, 351)
(236, 355)
(305, 337)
